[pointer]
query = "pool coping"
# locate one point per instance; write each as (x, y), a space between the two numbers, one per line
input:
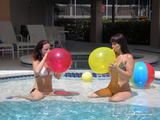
(148, 58)
(7, 74)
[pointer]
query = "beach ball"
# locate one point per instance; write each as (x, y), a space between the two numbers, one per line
(143, 75)
(100, 59)
(87, 76)
(59, 60)
(151, 74)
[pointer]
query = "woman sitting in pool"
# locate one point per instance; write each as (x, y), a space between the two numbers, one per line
(43, 76)
(121, 71)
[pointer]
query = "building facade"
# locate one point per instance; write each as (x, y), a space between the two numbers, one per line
(81, 9)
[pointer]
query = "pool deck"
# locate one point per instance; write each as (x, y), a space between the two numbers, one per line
(144, 97)
(150, 55)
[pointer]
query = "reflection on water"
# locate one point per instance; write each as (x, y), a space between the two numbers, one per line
(65, 110)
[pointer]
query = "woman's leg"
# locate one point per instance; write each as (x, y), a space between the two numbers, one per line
(105, 92)
(112, 87)
(120, 96)
(31, 98)
(34, 95)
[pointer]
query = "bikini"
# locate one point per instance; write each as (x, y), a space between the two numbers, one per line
(42, 73)
(114, 87)
(33, 90)
(112, 90)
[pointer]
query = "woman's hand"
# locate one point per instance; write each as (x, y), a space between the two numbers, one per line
(113, 67)
(45, 56)
(57, 75)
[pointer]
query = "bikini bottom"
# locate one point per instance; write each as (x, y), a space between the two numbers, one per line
(112, 89)
(33, 90)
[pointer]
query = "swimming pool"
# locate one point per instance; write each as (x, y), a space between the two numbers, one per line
(65, 110)
(144, 105)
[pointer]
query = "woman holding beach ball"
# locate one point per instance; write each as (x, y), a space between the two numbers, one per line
(120, 69)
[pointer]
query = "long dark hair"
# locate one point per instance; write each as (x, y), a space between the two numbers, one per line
(122, 41)
(37, 55)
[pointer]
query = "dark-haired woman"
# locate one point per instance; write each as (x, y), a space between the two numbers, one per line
(43, 76)
(120, 72)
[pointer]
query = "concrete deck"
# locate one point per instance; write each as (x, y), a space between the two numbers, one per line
(150, 55)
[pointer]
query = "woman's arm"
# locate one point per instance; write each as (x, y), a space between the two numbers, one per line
(37, 65)
(57, 75)
(29, 98)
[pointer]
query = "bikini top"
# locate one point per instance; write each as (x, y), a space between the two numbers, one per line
(44, 71)
(122, 65)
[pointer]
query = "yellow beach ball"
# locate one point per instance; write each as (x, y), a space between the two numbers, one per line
(100, 59)
(87, 76)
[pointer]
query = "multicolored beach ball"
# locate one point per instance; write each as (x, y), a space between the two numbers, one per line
(143, 75)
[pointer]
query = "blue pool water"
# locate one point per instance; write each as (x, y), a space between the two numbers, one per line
(65, 110)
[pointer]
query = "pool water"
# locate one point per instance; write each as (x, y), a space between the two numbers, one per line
(66, 110)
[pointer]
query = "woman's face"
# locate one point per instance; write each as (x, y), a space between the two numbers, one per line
(116, 47)
(45, 48)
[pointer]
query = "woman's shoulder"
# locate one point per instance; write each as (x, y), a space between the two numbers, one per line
(128, 55)
(36, 61)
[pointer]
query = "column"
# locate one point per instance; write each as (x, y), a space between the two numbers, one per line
(155, 24)
(96, 21)
(5, 10)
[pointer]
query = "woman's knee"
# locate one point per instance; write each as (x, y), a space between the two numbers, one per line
(120, 97)
(37, 95)
(93, 95)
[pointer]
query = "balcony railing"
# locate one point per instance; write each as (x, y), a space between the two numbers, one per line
(121, 11)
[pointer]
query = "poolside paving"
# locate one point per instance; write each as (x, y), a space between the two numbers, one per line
(150, 55)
